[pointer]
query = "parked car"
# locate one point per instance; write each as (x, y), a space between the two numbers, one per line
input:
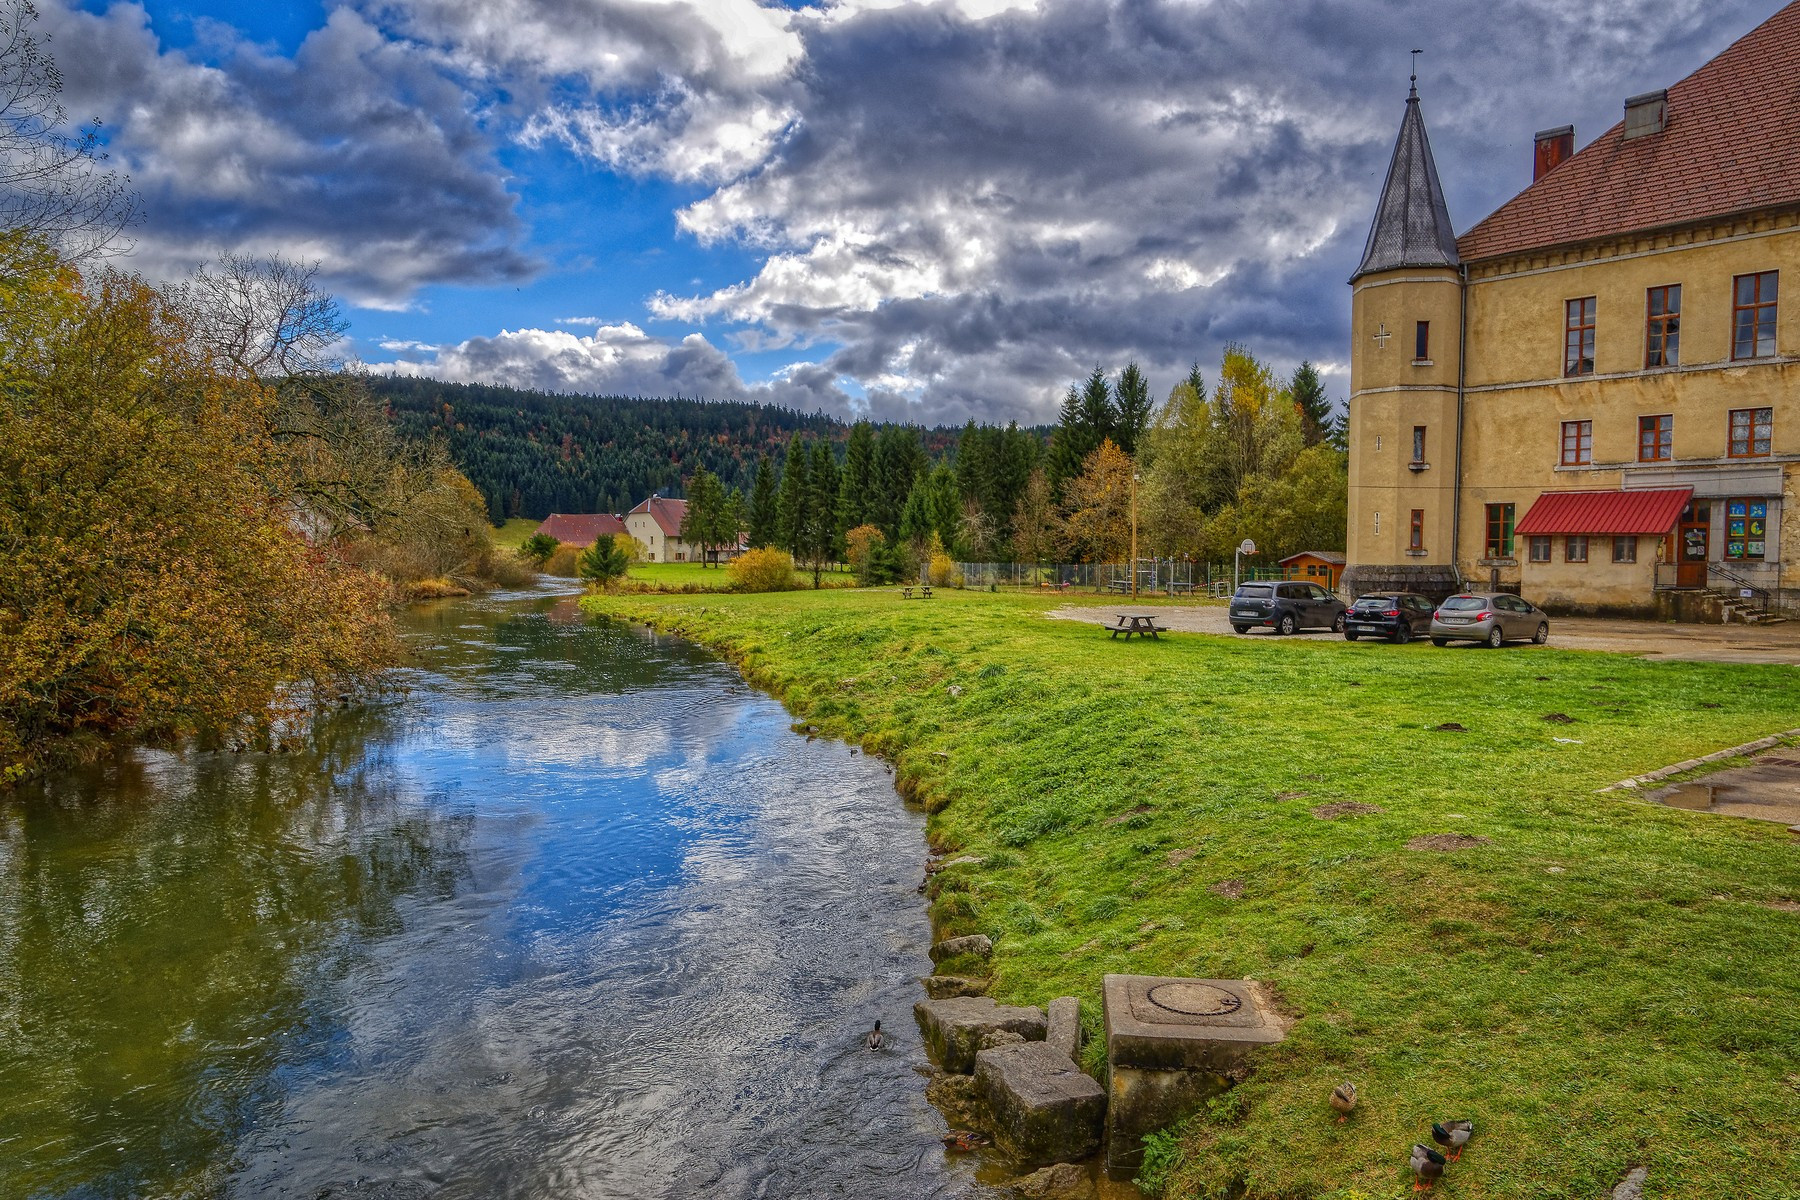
(1396, 616)
(1491, 617)
(1286, 607)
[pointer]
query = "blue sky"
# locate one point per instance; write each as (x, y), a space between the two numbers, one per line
(920, 209)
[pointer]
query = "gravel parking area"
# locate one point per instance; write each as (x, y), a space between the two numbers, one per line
(1648, 639)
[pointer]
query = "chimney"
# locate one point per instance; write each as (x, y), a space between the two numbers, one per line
(1646, 114)
(1554, 146)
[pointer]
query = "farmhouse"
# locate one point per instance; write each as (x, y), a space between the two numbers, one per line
(1593, 395)
(656, 524)
(580, 529)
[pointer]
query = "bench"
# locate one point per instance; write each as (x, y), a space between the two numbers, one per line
(924, 590)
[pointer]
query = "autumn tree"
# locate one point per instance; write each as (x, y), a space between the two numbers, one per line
(1036, 528)
(1098, 524)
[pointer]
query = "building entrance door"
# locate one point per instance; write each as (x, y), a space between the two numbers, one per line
(1693, 539)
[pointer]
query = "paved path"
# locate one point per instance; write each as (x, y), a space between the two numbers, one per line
(1649, 639)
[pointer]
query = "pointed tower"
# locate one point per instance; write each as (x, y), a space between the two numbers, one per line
(1406, 333)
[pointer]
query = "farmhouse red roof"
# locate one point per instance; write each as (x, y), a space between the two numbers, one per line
(1730, 145)
(580, 529)
(1645, 511)
(668, 514)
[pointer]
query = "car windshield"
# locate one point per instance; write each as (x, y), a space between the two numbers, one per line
(1256, 593)
(1464, 603)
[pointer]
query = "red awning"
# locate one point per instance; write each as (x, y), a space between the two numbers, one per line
(1648, 511)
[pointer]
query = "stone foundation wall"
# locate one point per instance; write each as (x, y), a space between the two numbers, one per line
(1434, 582)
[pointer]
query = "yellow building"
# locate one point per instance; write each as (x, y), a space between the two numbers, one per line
(1593, 396)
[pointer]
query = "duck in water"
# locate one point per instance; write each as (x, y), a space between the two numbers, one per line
(875, 1040)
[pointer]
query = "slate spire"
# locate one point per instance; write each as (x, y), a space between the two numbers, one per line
(1412, 223)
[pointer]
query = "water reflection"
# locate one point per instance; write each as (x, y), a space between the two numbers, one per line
(577, 916)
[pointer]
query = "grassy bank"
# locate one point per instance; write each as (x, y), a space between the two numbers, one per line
(1601, 983)
(697, 576)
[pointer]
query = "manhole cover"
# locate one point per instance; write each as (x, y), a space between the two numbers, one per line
(1194, 999)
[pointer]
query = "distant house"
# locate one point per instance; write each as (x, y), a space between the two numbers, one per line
(656, 524)
(1323, 567)
(580, 529)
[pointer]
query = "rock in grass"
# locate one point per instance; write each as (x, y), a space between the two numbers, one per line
(954, 1027)
(978, 944)
(943, 987)
(1043, 1108)
(1065, 1025)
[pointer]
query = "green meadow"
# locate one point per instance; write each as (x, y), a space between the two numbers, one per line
(1597, 982)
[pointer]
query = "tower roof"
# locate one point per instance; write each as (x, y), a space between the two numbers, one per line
(1412, 223)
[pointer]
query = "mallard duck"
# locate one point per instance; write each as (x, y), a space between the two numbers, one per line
(875, 1039)
(1454, 1134)
(963, 1139)
(1427, 1164)
(1343, 1098)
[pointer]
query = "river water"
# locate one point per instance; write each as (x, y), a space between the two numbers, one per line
(578, 915)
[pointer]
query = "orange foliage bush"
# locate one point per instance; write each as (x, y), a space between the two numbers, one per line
(761, 570)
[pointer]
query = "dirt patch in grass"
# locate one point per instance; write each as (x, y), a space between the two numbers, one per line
(1449, 727)
(1231, 889)
(1129, 813)
(1559, 718)
(1345, 808)
(1177, 857)
(1444, 842)
(1291, 795)
(1787, 906)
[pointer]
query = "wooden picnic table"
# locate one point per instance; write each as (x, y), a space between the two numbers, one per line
(924, 590)
(1141, 624)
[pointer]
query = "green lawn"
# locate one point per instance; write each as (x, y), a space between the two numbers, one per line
(512, 535)
(1603, 983)
(675, 575)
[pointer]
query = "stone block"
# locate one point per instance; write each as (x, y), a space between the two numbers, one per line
(1171, 1045)
(1060, 1181)
(978, 944)
(955, 1026)
(941, 987)
(1041, 1107)
(1065, 1025)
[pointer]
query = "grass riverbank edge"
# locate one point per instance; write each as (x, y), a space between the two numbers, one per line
(1601, 983)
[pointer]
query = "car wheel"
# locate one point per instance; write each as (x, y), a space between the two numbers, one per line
(1440, 643)
(1337, 626)
(1402, 634)
(1348, 636)
(1240, 629)
(1288, 625)
(1495, 638)
(1543, 633)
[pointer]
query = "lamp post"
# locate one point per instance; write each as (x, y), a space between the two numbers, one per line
(1245, 547)
(1134, 483)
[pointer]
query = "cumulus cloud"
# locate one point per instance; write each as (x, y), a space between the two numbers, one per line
(357, 153)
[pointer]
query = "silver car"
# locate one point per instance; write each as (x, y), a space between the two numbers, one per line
(1491, 617)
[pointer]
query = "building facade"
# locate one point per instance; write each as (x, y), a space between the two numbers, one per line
(1593, 395)
(656, 524)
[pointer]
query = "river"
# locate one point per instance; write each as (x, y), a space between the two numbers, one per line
(575, 915)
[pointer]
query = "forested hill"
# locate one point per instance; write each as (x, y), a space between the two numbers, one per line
(535, 453)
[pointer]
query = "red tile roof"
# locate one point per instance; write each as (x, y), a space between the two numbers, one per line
(1730, 146)
(580, 529)
(669, 514)
(1646, 511)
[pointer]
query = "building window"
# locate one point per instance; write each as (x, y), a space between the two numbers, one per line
(1625, 549)
(1577, 443)
(1746, 528)
(1540, 548)
(1578, 336)
(1750, 429)
(1422, 341)
(1499, 531)
(1753, 315)
(1418, 443)
(1416, 538)
(1656, 438)
(1575, 548)
(1662, 340)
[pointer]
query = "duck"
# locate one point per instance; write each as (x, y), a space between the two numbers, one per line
(875, 1039)
(1454, 1134)
(963, 1140)
(1343, 1098)
(1427, 1164)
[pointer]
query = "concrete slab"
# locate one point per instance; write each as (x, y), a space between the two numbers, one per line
(1043, 1108)
(1765, 788)
(956, 1027)
(1065, 1025)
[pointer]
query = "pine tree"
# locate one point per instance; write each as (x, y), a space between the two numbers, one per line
(858, 477)
(790, 500)
(820, 521)
(1312, 403)
(1098, 416)
(1068, 444)
(943, 504)
(700, 521)
(1131, 405)
(763, 513)
(915, 516)
(899, 458)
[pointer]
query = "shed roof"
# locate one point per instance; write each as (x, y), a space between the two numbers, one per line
(1334, 557)
(580, 529)
(1644, 511)
(1730, 144)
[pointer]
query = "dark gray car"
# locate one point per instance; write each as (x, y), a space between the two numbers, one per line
(1286, 607)
(1490, 617)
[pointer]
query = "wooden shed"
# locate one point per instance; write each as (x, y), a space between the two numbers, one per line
(1323, 567)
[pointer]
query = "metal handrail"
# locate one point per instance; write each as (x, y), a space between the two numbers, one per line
(1762, 594)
